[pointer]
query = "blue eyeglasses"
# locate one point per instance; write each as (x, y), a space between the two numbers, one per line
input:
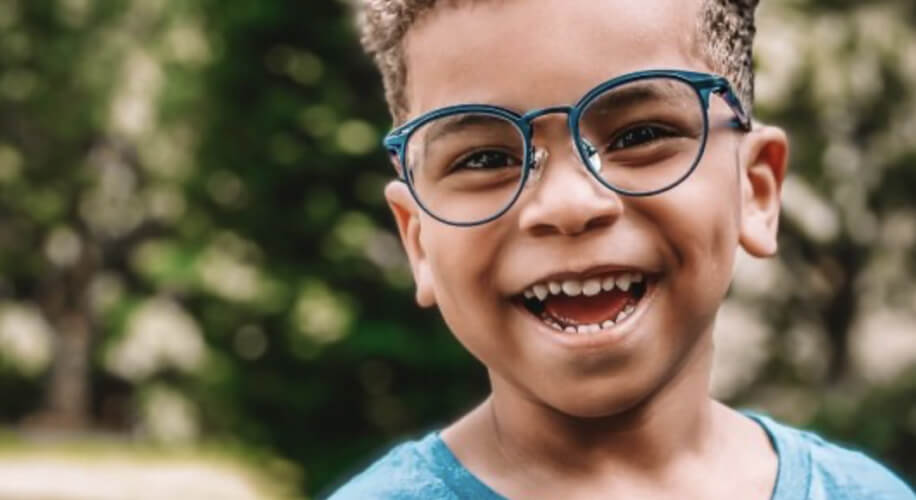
(639, 134)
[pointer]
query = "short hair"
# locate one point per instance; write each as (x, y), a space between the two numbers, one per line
(725, 27)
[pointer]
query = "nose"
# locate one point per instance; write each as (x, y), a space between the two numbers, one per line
(566, 199)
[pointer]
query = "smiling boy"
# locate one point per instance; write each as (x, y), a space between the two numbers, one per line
(574, 180)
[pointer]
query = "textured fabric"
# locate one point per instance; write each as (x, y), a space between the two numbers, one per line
(809, 469)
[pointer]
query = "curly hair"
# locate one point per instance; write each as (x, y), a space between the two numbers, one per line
(726, 35)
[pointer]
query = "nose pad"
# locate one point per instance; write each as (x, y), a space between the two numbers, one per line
(592, 156)
(539, 158)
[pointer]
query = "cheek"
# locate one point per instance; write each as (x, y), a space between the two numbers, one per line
(701, 227)
(465, 264)
(710, 206)
(709, 232)
(462, 263)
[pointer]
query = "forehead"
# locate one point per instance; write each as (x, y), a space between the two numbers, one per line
(523, 54)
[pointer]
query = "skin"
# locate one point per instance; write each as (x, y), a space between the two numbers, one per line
(632, 418)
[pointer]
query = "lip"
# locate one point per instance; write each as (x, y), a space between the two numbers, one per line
(588, 273)
(621, 335)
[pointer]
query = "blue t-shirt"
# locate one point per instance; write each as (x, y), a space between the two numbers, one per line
(809, 469)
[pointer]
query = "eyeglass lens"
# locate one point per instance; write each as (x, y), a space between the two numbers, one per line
(638, 137)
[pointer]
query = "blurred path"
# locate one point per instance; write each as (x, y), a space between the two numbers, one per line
(69, 478)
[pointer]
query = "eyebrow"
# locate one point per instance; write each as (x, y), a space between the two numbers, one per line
(458, 123)
(455, 124)
(629, 95)
(619, 98)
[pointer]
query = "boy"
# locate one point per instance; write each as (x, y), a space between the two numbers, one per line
(574, 180)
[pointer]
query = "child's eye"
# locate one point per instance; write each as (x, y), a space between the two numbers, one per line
(490, 159)
(639, 135)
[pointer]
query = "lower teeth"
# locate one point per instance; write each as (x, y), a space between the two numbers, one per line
(592, 328)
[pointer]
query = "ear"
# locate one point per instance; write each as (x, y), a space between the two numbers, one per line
(407, 216)
(764, 155)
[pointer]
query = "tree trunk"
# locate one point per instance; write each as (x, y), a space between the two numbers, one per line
(65, 303)
(68, 389)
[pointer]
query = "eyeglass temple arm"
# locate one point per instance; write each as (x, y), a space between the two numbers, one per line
(724, 90)
(394, 145)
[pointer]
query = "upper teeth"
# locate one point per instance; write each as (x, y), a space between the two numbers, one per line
(588, 287)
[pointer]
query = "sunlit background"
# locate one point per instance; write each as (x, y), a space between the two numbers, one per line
(202, 294)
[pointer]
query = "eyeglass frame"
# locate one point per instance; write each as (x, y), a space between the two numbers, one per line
(704, 84)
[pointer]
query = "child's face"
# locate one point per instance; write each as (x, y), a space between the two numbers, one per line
(523, 55)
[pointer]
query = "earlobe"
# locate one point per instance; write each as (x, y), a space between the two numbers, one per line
(764, 155)
(406, 215)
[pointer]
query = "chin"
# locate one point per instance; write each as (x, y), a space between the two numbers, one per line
(600, 399)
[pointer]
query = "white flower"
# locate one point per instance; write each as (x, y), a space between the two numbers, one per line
(169, 417)
(25, 338)
(159, 335)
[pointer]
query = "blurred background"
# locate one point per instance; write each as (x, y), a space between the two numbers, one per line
(202, 294)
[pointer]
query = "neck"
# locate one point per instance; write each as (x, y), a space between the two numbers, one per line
(669, 425)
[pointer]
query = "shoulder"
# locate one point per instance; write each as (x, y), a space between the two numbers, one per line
(839, 473)
(848, 473)
(408, 471)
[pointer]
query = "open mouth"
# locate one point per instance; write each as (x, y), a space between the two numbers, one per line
(587, 306)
